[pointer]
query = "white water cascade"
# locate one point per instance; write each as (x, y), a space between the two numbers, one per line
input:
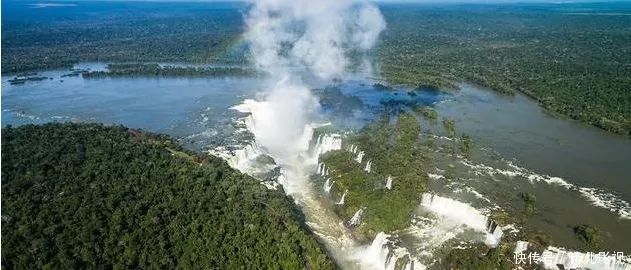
(464, 214)
(389, 182)
(352, 148)
(341, 201)
(383, 253)
(356, 219)
(326, 143)
(328, 184)
(292, 40)
(322, 169)
(520, 247)
(368, 167)
(359, 157)
(244, 159)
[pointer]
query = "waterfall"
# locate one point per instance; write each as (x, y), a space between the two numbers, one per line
(494, 232)
(464, 214)
(280, 122)
(352, 148)
(521, 247)
(326, 143)
(242, 157)
(328, 185)
(356, 219)
(368, 166)
(282, 179)
(341, 202)
(383, 254)
(322, 170)
(389, 182)
(359, 157)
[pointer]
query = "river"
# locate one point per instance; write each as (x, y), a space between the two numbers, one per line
(579, 174)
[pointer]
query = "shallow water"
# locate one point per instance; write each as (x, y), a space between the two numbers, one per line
(195, 110)
(518, 128)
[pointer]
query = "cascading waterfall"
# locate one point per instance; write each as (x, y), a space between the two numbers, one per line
(289, 40)
(352, 148)
(368, 166)
(341, 201)
(326, 143)
(464, 214)
(520, 247)
(356, 219)
(328, 185)
(383, 253)
(323, 170)
(359, 157)
(244, 159)
(389, 182)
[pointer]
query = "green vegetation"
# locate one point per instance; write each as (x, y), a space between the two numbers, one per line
(395, 151)
(589, 235)
(465, 145)
(450, 127)
(78, 196)
(136, 69)
(529, 203)
(42, 38)
(430, 114)
(575, 65)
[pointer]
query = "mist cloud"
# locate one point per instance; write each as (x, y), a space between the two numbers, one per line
(293, 39)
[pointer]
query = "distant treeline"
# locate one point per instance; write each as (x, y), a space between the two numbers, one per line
(138, 69)
(34, 39)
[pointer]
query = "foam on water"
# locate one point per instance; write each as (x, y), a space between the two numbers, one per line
(464, 214)
(597, 197)
(434, 176)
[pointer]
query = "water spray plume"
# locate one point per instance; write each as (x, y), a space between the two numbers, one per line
(298, 43)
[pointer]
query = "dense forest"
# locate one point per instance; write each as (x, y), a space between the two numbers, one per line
(140, 69)
(574, 64)
(59, 36)
(394, 152)
(78, 196)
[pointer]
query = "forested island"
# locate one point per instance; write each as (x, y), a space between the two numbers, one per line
(93, 196)
(140, 69)
(394, 152)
